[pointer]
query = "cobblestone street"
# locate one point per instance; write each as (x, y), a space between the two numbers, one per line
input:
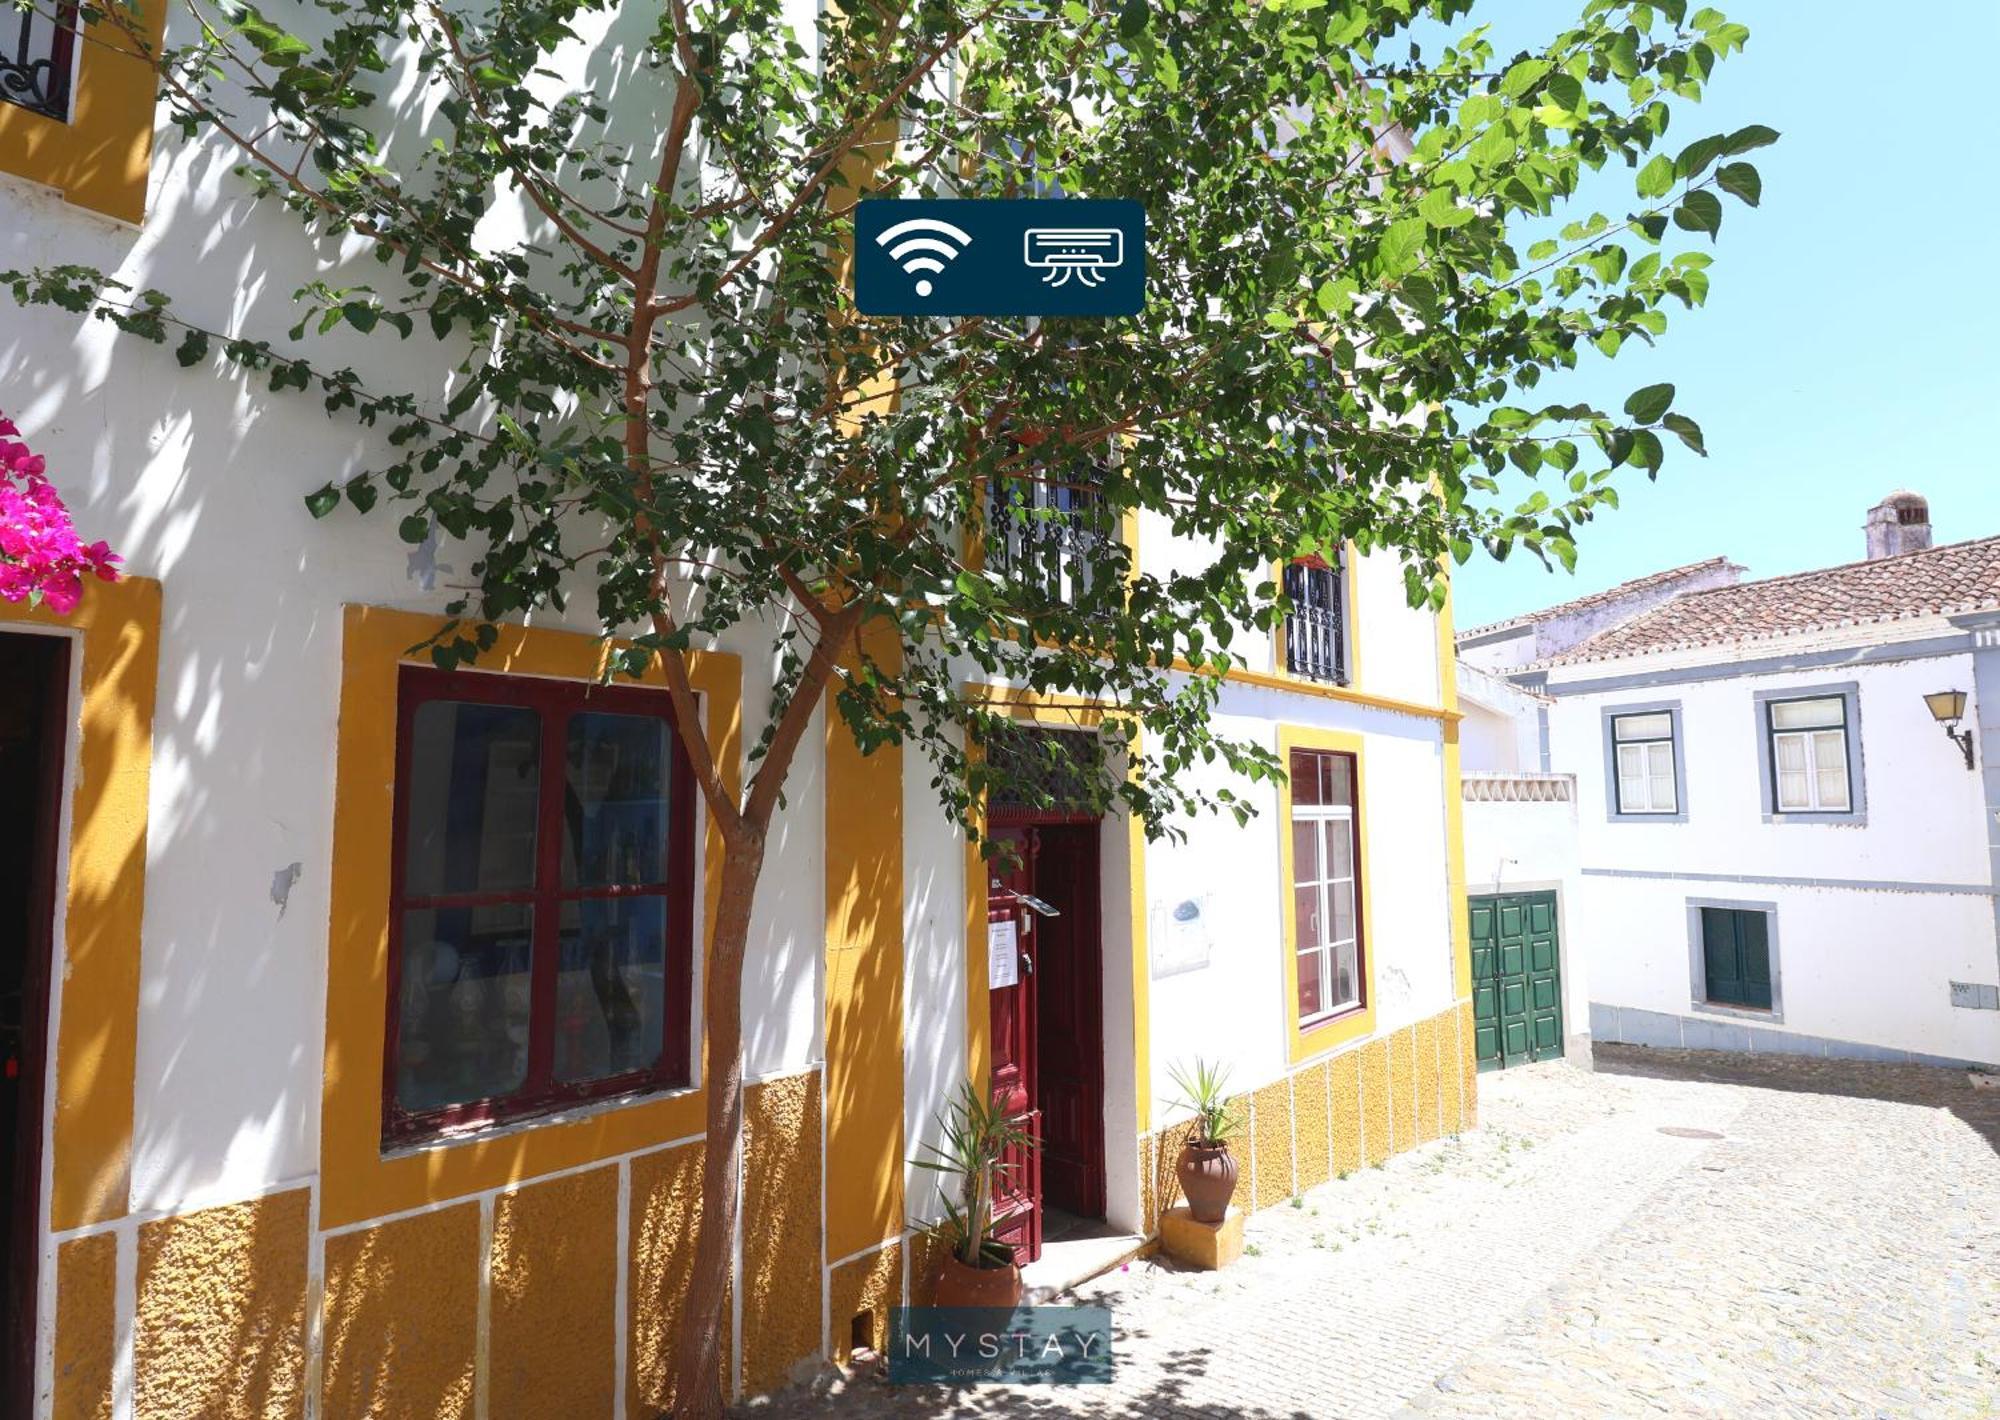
(1836, 1251)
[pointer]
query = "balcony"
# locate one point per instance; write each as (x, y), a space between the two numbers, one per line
(1316, 628)
(38, 50)
(1050, 538)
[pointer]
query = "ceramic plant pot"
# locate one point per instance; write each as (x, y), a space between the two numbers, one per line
(1207, 1174)
(962, 1286)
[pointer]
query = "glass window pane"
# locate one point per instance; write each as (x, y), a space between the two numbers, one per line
(1802, 714)
(1833, 789)
(1305, 905)
(1305, 850)
(1632, 796)
(1339, 780)
(1660, 772)
(611, 989)
(1304, 774)
(1829, 748)
(1793, 790)
(615, 803)
(1346, 988)
(474, 783)
(1642, 727)
(1310, 994)
(1340, 902)
(462, 1030)
(1791, 753)
(1340, 847)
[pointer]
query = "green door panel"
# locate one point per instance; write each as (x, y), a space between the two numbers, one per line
(1516, 979)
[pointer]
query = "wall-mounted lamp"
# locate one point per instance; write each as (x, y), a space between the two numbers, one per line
(1948, 708)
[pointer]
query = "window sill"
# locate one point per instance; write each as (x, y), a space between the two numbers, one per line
(1308, 1024)
(1618, 817)
(1827, 817)
(1770, 1015)
(548, 1118)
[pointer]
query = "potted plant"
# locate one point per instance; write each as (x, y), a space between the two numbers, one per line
(976, 1269)
(1206, 1170)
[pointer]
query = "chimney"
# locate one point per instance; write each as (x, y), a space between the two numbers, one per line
(1898, 524)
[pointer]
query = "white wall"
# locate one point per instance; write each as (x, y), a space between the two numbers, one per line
(1871, 966)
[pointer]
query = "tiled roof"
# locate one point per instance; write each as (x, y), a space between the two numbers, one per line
(1609, 594)
(1959, 577)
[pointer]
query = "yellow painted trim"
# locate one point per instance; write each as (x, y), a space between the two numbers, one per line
(356, 1180)
(1352, 1025)
(96, 1035)
(1067, 711)
(863, 815)
(1454, 804)
(100, 158)
(1266, 680)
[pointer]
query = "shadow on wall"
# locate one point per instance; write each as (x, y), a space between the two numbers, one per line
(1928, 1086)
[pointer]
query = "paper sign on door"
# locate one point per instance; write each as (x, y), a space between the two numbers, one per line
(1003, 956)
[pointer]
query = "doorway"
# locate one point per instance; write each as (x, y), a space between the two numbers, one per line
(1516, 979)
(34, 693)
(1046, 980)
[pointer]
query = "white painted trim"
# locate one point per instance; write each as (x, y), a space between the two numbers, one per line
(124, 1321)
(482, 1331)
(621, 1293)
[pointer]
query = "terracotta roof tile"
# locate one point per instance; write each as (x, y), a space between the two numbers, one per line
(1585, 603)
(1959, 577)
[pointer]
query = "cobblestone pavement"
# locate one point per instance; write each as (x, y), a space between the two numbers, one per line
(1836, 1252)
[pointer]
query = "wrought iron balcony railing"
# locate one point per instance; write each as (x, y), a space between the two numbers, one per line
(1046, 536)
(38, 56)
(1316, 629)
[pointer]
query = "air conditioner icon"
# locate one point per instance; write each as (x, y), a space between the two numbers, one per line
(1083, 252)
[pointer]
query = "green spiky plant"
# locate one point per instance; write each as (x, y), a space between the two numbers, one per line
(1204, 1090)
(976, 1135)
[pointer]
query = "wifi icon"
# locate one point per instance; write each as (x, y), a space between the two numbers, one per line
(924, 244)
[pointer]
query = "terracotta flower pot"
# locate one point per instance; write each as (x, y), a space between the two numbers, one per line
(1207, 1174)
(962, 1286)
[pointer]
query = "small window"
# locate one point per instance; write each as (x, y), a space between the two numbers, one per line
(1809, 765)
(542, 931)
(38, 57)
(1736, 957)
(1326, 888)
(1316, 626)
(1643, 763)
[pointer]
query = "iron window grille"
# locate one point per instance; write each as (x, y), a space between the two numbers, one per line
(1316, 626)
(38, 57)
(1051, 537)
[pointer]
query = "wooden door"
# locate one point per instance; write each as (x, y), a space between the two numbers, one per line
(34, 694)
(1070, 1029)
(1011, 946)
(1516, 979)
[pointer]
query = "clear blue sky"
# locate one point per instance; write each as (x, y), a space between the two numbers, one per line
(1848, 346)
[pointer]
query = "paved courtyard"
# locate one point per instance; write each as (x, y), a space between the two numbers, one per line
(1835, 1252)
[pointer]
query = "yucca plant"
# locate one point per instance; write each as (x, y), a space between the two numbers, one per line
(976, 1134)
(1204, 1087)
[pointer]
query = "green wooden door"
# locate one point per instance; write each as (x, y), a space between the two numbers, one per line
(1516, 979)
(1736, 957)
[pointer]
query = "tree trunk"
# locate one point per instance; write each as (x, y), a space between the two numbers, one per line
(698, 1388)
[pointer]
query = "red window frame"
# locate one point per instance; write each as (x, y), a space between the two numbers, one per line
(555, 701)
(1360, 1002)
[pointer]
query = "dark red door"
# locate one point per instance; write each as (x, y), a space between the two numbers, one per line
(1069, 1068)
(34, 691)
(1017, 1211)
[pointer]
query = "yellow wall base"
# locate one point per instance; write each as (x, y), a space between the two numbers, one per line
(1209, 1246)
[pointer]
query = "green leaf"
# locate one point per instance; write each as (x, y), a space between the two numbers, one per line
(1400, 245)
(361, 493)
(360, 315)
(193, 348)
(414, 528)
(1647, 405)
(1700, 211)
(1740, 180)
(1688, 430)
(322, 501)
(1745, 139)
(1656, 179)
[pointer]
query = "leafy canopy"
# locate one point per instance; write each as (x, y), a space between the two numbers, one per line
(624, 227)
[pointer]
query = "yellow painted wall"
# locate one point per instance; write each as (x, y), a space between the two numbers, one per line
(400, 1320)
(782, 1324)
(96, 1035)
(553, 1298)
(101, 157)
(665, 1225)
(86, 1326)
(864, 980)
(220, 1331)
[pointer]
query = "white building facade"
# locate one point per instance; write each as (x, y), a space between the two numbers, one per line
(231, 1210)
(1778, 846)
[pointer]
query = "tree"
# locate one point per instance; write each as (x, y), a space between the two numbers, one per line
(1362, 262)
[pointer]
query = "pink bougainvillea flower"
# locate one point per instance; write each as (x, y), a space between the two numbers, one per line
(41, 557)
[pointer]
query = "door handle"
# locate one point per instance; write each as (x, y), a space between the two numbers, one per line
(1028, 963)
